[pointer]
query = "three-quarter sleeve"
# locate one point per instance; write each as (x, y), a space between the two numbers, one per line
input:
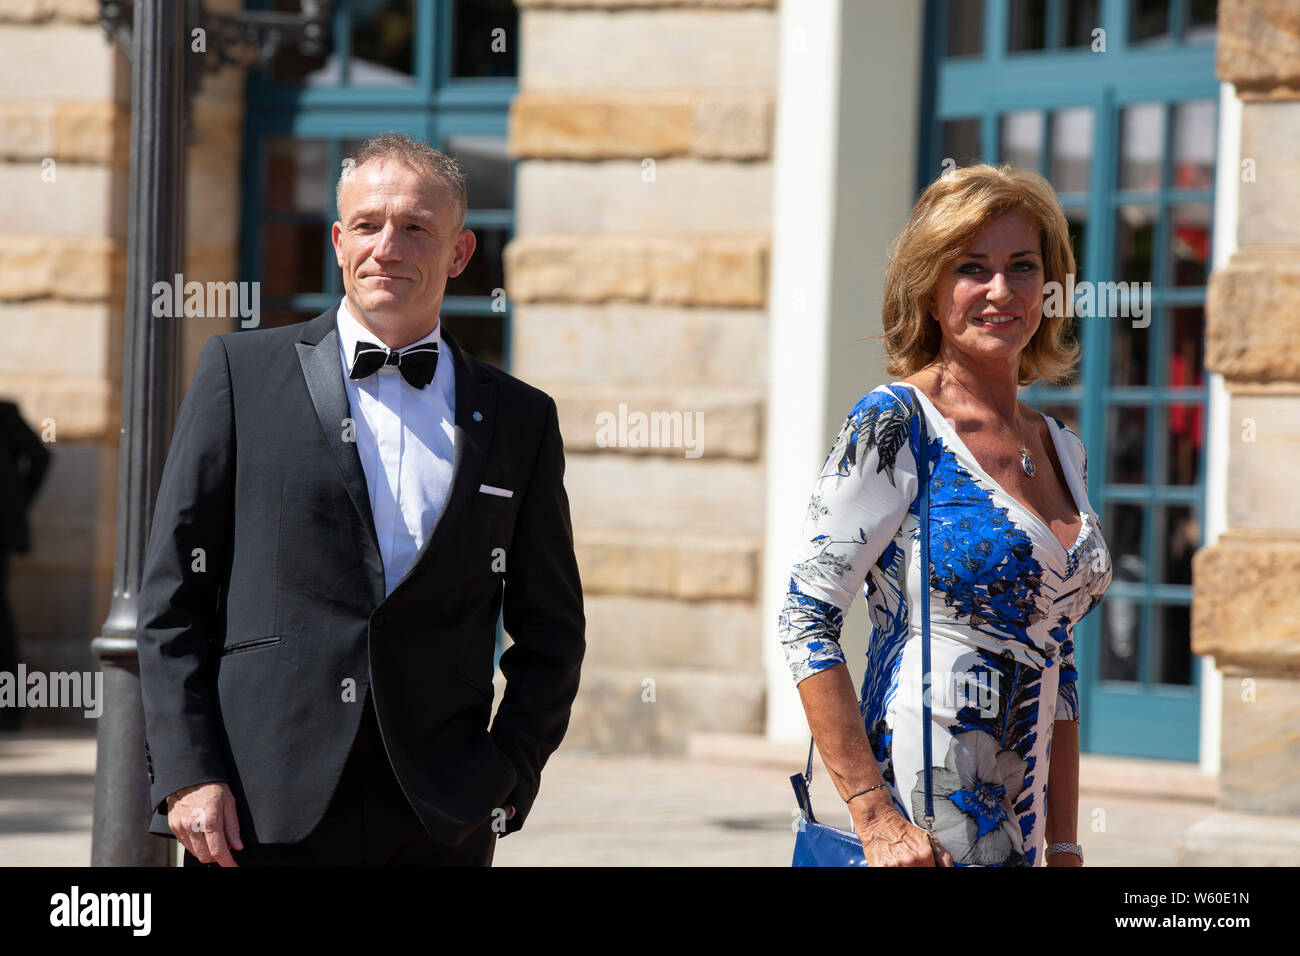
(858, 504)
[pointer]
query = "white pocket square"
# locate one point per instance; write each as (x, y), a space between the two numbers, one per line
(500, 492)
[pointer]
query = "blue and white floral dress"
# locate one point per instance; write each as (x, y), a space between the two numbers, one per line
(1005, 597)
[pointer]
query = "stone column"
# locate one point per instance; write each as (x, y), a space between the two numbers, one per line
(638, 283)
(1246, 587)
(65, 118)
(64, 151)
(848, 112)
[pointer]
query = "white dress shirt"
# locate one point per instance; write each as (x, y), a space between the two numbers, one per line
(405, 438)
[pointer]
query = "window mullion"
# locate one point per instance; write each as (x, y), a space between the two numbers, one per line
(997, 19)
(1052, 26)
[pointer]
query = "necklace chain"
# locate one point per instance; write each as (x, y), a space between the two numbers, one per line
(1026, 461)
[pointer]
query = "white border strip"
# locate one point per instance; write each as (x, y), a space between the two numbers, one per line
(1218, 427)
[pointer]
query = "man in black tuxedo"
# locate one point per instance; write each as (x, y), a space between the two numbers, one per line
(346, 507)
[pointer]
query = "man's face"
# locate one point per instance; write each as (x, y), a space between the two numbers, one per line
(397, 242)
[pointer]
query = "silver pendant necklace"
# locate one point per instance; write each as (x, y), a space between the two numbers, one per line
(1026, 461)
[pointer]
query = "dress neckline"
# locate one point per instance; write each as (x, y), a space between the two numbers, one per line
(951, 432)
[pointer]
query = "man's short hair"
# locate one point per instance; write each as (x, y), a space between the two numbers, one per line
(416, 155)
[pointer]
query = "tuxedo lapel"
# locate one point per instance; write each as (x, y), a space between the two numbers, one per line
(318, 352)
(476, 398)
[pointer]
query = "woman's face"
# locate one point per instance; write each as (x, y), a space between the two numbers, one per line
(990, 301)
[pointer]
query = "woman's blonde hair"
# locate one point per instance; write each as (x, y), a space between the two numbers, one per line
(945, 220)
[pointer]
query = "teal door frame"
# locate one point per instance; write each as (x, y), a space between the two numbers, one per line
(1142, 717)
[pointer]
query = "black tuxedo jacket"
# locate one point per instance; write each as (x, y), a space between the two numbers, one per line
(263, 622)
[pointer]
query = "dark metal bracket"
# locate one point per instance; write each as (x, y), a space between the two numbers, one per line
(246, 40)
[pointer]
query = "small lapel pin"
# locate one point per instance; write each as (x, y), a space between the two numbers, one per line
(478, 416)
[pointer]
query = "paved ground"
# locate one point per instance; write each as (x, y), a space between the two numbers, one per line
(46, 798)
(593, 811)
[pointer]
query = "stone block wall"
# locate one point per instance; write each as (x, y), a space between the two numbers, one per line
(64, 151)
(64, 172)
(638, 282)
(1244, 586)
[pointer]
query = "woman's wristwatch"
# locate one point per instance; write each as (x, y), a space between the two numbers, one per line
(1065, 848)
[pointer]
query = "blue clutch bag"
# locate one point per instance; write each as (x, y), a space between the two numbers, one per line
(819, 844)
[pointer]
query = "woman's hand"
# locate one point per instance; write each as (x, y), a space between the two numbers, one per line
(888, 839)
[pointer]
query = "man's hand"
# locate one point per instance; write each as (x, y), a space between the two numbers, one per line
(507, 811)
(204, 820)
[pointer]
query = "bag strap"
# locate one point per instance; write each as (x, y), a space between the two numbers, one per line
(923, 507)
(925, 616)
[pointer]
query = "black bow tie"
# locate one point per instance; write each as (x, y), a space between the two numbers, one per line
(417, 364)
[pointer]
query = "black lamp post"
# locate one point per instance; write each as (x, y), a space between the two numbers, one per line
(157, 35)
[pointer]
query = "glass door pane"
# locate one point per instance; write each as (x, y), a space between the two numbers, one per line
(1028, 26)
(383, 43)
(483, 38)
(1078, 19)
(965, 34)
(960, 141)
(1072, 137)
(1021, 135)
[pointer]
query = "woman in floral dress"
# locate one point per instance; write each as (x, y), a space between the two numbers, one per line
(1016, 550)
